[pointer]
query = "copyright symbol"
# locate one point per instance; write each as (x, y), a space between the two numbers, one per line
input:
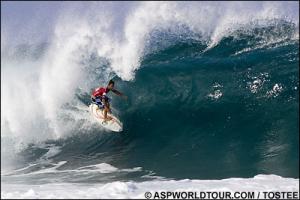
(148, 195)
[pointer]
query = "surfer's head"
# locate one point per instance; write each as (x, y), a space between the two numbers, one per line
(111, 84)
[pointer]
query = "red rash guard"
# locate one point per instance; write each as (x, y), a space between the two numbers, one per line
(98, 92)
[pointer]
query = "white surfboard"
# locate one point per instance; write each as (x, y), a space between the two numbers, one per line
(114, 124)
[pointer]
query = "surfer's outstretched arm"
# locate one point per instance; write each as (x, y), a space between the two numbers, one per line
(119, 93)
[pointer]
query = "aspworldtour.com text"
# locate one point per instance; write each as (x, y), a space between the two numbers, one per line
(221, 195)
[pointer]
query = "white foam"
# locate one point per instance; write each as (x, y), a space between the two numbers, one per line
(102, 168)
(276, 90)
(258, 82)
(130, 189)
(266, 44)
(217, 93)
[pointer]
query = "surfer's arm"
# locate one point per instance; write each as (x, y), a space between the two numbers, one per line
(119, 93)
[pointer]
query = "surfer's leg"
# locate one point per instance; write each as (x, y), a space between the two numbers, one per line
(106, 103)
(106, 109)
(108, 106)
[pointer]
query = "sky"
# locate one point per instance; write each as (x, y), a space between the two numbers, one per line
(28, 20)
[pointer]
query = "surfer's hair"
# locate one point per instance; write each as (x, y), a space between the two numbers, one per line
(111, 82)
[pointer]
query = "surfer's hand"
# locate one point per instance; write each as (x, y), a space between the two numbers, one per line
(125, 97)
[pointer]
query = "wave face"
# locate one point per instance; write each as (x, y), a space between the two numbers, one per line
(213, 93)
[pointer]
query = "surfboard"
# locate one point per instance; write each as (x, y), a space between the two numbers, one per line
(114, 124)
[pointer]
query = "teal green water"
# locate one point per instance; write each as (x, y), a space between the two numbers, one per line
(178, 127)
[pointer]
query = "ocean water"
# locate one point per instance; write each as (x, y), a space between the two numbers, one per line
(213, 98)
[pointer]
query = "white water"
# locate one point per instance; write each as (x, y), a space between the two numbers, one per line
(118, 189)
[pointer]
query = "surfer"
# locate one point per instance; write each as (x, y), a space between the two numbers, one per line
(99, 96)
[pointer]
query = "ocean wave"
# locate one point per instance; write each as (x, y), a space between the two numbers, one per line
(208, 85)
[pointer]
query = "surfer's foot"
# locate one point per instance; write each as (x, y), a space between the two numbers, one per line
(107, 119)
